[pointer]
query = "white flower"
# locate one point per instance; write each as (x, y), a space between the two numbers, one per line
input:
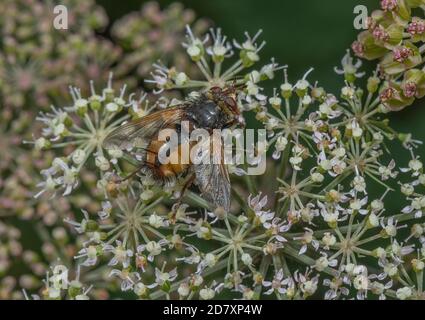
(348, 92)
(41, 143)
(407, 189)
(163, 277)
(404, 293)
(183, 290)
(154, 248)
(349, 68)
(181, 79)
(390, 269)
(91, 255)
(359, 184)
(307, 286)
(357, 204)
(156, 221)
(373, 220)
(48, 185)
(121, 255)
(59, 129)
(387, 171)
(357, 131)
(416, 166)
(275, 102)
(112, 107)
(78, 156)
(322, 263)
(246, 259)
(106, 210)
(390, 228)
(295, 162)
(140, 289)
(307, 100)
(278, 283)
(328, 240)
(331, 218)
(147, 195)
(102, 163)
(272, 123)
(196, 280)
(317, 177)
(361, 282)
(128, 279)
(302, 85)
(286, 88)
(281, 143)
(115, 154)
(81, 104)
(206, 294)
(210, 260)
(377, 205)
(418, 265)
(68, 180)
(194, 52)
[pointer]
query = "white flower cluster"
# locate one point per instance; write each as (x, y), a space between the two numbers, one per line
(322, 220)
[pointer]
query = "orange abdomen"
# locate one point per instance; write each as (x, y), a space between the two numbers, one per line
(168, 170)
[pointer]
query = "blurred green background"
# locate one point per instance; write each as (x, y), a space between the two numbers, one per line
(301, 34)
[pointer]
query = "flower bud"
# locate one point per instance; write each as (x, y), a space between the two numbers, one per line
(404, 293)
(210, 259)
(275, 102)
(102, 163)
(248, 57)
(42, 144)
(78, 156)
(372, 221)
(147, 195)
(301, 88)
(141, 290)
(286, 90)
(95, 102)
(183, 290)
(373, 84)
(206, 294)
(195, 51)
(246, 259)
(318, 93)
(81, 106)
(109, 94)
(112, 107)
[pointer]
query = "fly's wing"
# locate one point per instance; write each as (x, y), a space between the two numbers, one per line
(138, 133)
(213, 178)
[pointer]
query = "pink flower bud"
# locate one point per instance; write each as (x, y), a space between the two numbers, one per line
(379, 33)
(387, 94)
(409, 89)
(401, 54)
(358, 48)
(416, 27)
(389, 5)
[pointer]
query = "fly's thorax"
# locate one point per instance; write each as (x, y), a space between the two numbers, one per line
(207, 114)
